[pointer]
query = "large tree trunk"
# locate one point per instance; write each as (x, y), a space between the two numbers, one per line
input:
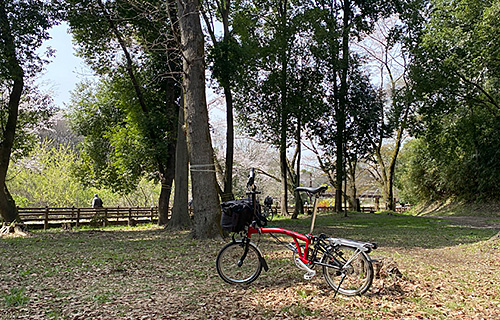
(180, 215)
(8, 208)
(206, 205)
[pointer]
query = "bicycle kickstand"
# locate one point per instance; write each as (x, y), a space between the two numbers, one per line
(340, 283)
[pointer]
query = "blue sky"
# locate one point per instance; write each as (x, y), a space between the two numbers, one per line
(66, 69)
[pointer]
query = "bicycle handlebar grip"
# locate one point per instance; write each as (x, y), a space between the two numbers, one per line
(251, 178)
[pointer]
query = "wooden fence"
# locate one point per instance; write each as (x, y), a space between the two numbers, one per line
(326, 209)
(51, 216)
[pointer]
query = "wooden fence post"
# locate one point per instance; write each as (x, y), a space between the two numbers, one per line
(129, 217)
(46, 219)
(77, 217)
(105, 219)
(152, 214)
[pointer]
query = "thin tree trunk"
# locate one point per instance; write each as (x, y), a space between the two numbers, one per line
(204, 184)
(299, 206)
(8, 208)
(180, 214)
(228, 173)
(284, 109)
(392, 165)
(166, 186)
(352, 190)
(340, 116)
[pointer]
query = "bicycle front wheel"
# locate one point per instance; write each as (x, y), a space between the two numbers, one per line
(234, 267)
(348, 270)
(269, 213)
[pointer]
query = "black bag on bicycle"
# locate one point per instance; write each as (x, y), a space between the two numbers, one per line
(237, 214)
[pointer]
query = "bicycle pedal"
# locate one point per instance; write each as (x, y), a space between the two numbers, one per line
(310, 275)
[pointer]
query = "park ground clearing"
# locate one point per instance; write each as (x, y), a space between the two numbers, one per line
(439, 269)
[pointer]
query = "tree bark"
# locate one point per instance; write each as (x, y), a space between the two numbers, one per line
(180, 215)
(8, 208)
(206, 205)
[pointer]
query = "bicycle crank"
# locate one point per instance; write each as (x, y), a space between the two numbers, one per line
(310, 273)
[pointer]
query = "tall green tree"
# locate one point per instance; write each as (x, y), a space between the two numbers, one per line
(278, 92)
(23, 28)
(133, 45)
(455, 71)
(363, 110)
(385, 52)
(225, 61)
(336, 24)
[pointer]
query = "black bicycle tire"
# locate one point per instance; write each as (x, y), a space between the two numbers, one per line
(253, 256)
(365, 283)
(270, 215)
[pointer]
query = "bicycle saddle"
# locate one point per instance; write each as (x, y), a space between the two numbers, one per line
(312, 190)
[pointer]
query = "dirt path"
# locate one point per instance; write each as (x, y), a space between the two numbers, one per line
(473, 221)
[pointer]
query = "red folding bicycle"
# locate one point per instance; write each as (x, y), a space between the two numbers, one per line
(346, 265)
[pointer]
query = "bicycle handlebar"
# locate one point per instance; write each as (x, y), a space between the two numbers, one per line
(251, 179)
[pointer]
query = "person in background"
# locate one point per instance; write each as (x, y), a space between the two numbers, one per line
(96, 202)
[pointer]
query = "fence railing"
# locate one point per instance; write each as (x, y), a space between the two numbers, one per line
(325, 209)
(48, 216)
(57, 216)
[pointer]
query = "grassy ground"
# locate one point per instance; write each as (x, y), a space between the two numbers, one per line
(448, 271)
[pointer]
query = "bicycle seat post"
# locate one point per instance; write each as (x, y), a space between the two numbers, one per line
(315, 209)
(316, 193)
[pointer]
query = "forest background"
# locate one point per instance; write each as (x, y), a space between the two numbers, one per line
(401, 94)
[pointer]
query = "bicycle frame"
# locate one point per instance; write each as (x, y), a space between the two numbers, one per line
(295, 235)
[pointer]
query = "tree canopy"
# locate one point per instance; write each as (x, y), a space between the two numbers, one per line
(456, 76)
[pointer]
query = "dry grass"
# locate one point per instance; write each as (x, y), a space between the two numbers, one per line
(149, 273)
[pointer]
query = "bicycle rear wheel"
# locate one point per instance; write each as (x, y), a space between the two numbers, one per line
(348, 270)
(232, 269)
